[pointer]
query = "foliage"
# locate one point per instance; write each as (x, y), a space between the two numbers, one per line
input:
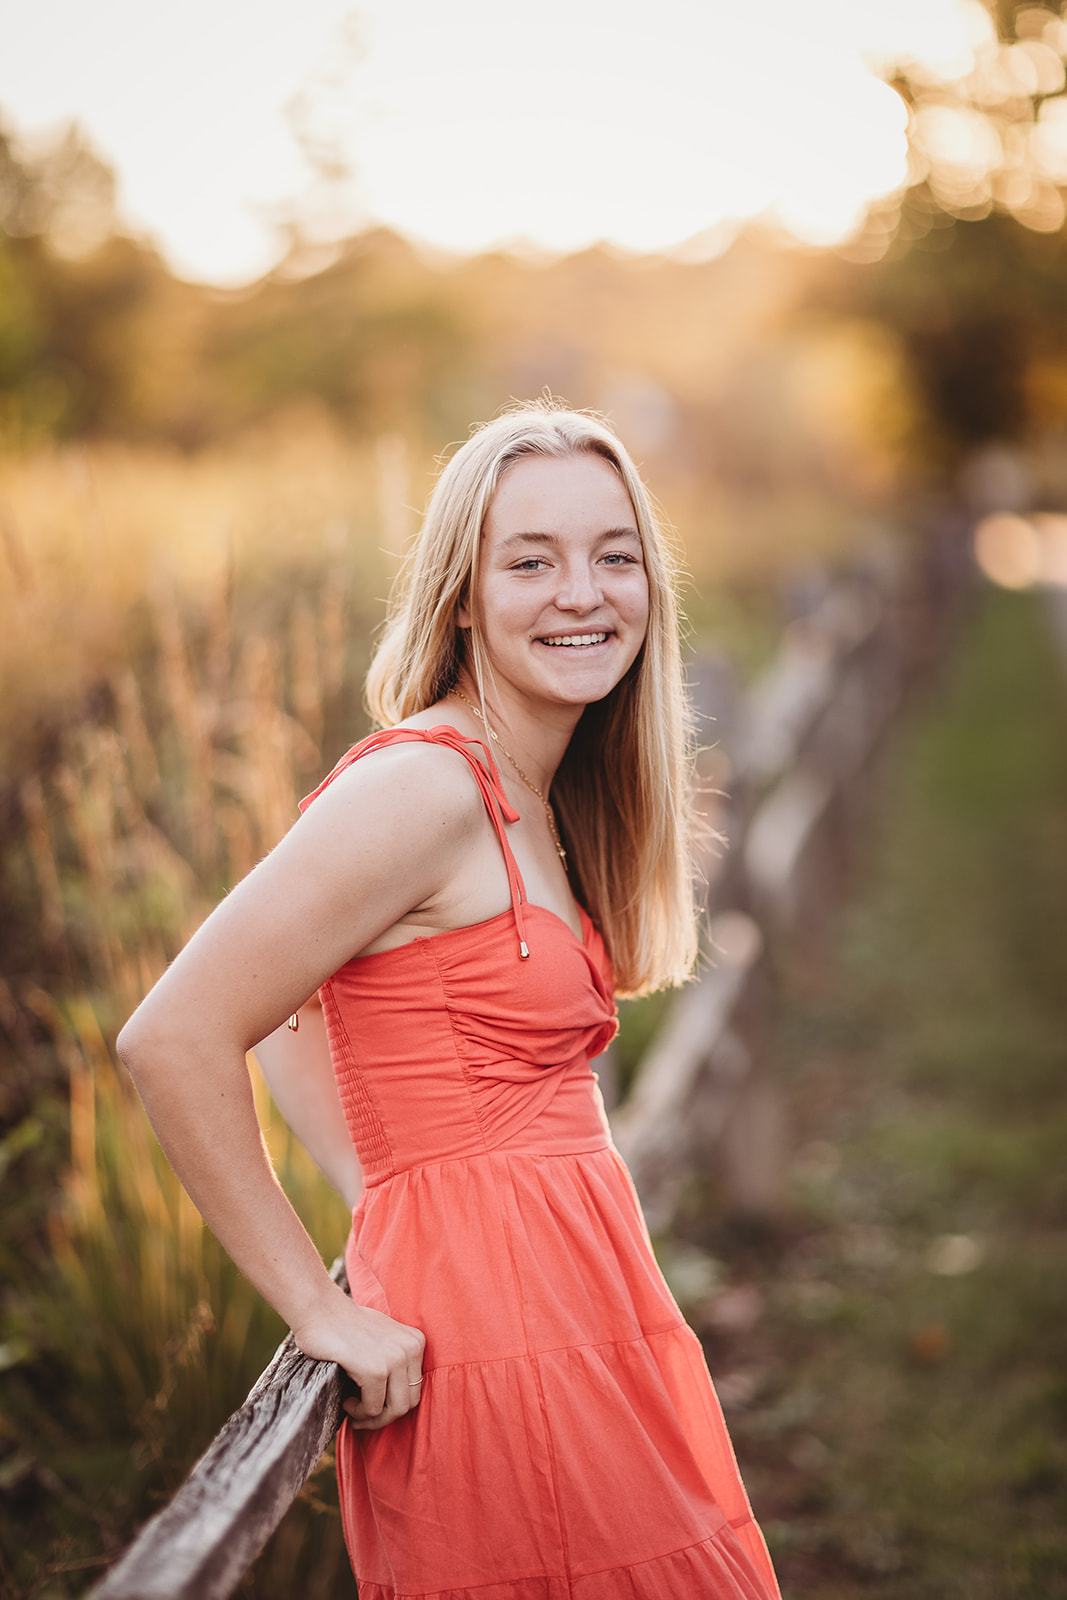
(126, 1335)
(965, 262)
(980, 310)
(987, 136)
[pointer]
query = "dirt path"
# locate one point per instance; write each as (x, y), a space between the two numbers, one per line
(894, 1360)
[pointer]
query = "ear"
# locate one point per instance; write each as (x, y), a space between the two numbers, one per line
(463, 614)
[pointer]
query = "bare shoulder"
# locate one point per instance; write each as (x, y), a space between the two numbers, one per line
(416, 779)
(387, 838)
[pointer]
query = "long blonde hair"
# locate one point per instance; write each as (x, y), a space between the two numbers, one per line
(621, 792)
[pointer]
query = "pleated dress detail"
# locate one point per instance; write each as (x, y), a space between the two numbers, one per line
(569, 1444)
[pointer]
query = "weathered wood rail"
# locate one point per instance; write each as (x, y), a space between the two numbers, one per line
(202, 1543)
(794, 754)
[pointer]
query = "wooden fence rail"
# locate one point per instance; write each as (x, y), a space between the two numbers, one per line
(200, 1546)
(795, 755)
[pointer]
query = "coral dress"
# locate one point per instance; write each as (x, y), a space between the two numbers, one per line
(568, 1442)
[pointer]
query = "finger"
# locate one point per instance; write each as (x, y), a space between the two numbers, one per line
(374, 1424)
(358, 1419)
(372, 1397)
(401, 1396)
(352, 1396)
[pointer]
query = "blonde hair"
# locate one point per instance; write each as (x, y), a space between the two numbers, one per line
(621, 792)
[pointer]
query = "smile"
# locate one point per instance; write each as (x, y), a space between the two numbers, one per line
(578, 641)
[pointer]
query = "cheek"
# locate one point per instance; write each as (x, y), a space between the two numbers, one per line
(639, 605)
(641, 620)
(504, 615)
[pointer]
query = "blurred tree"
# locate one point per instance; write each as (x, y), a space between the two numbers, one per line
(377, 338)
(25, 403)
(981, 310)
(88, 315)
(97, 337)
(967, 262)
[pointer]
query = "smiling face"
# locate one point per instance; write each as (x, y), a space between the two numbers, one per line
(561, 593)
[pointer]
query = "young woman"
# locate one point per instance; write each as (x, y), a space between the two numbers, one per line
(534, 1419)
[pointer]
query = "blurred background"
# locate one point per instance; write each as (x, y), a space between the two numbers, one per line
(260, 267)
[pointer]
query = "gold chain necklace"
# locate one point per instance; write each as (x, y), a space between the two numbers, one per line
(556, 840)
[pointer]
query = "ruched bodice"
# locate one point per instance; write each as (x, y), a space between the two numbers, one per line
(568, 1442)
(466, 1073)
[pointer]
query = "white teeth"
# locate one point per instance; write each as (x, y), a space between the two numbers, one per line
(578, 639)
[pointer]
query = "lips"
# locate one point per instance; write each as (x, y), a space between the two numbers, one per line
(576, 641)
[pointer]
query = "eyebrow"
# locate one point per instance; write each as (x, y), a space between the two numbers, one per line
(553, 539)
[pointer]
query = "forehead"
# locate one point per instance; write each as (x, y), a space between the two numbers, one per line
(560, 494)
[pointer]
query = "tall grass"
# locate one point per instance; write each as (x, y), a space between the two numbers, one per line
(182, 646)
(90, 533)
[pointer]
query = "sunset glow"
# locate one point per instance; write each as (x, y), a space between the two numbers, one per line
(648, 126)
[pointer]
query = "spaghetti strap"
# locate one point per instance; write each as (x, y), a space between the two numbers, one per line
(498, 806)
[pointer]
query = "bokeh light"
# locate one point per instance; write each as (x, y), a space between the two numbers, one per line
(1052, 531)
(988, 129)
(1018, 552)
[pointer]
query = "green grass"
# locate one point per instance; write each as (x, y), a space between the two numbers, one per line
(904, 1433)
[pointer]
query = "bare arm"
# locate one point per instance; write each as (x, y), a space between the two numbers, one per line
(366, 853)
(299, 1071)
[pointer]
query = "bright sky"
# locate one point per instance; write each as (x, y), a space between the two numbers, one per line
(644, 122)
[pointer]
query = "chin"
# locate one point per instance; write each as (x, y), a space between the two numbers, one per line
(582, 694)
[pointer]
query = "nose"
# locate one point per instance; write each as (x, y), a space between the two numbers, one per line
(579, 590)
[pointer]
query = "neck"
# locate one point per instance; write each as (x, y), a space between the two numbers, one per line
(536, 736)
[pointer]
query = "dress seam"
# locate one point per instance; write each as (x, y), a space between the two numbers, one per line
(664, 1555)
(523, 1357)
(568, 1578)
(550, 1450)
(494, 1150)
